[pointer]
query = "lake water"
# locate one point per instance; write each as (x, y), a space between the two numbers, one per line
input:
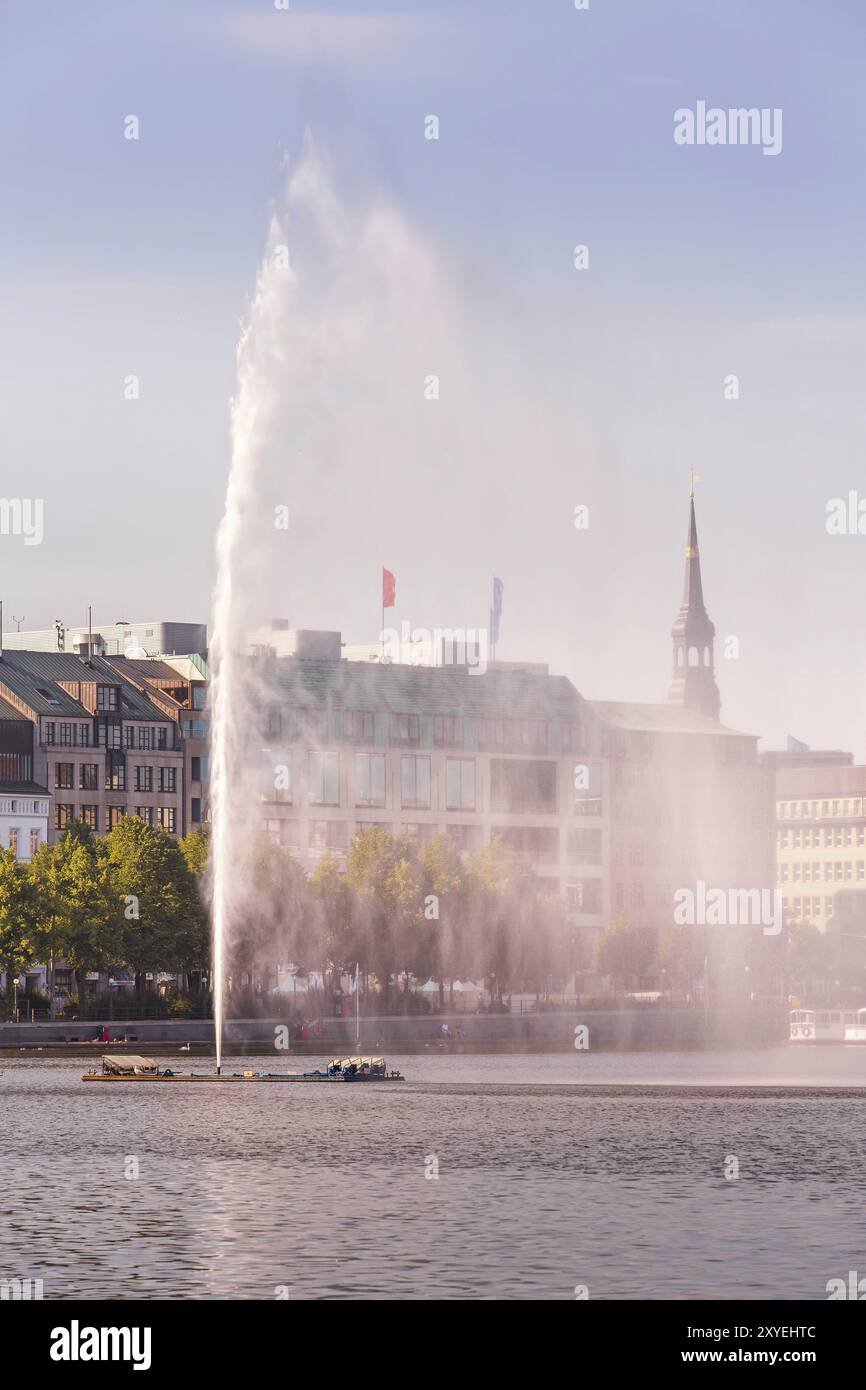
(321, 1191)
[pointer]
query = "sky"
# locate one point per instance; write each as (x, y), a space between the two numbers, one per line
(559, 386)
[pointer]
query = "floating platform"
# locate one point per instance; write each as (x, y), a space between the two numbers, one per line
(349, 1069)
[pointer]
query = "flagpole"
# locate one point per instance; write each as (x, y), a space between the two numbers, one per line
(358, 997)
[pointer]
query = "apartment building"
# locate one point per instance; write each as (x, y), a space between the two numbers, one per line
(177, 685)
(101, 748)
(25, 805)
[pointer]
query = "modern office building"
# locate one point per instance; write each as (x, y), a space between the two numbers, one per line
(511, 752)
(153, 638)
(820, 837)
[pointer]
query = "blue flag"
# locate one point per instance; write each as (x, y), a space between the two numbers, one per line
(795, 746)
(496, 610)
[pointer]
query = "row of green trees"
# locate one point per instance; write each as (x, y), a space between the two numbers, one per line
(395, 908)
(400, 910)
(131, 898)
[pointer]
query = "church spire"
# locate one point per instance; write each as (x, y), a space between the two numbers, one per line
(694, 683)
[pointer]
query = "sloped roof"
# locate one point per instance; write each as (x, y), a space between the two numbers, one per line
(660, 719)
(441, 690)
(8, 711)
(33, 677)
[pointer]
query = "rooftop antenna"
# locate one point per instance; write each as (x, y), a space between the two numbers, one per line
(89, 636)
(17, 622)
(61, 634)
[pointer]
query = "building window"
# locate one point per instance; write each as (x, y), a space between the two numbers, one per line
(405, 728)
(529, 734)
(50, 730)
(146, 736)
(195, 809)
(324, 778)
(583, 846)
(115, 778)
(14, 833)
(84, 735)
(422, 834)
(66, 735)
(460, 784)
(115, 816)
(167, 818)
(358, 726)
(448, 731)
(168, 779)
(88, 777)
(538, 844)
(584, 895)
(276, 779)
(129, 735)
(144, 779)
(63, 816)
(161, 736)
(90, 816)
(465, 837)
(522, 786)
(145, 813)
(572, 738)
(328, 835)
(272, 830)
(273, 724)
(64, 776)
(109, 734)
(369, 779)
(35, 841)
(106, 697)
(415, 781)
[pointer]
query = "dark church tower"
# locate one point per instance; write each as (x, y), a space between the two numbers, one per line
(694, 681)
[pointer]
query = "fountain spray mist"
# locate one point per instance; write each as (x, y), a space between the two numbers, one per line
(257, 360)
(334, 423)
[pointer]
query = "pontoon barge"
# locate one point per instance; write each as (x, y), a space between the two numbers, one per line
(130, 1068)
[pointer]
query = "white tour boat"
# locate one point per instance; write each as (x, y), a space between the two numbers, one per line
(828, 1026)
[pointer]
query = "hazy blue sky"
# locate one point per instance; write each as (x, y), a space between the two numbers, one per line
(124, 257)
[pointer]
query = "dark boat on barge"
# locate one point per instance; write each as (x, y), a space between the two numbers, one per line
(347, 1069)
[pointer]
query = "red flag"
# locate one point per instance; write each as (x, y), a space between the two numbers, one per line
(389, 589)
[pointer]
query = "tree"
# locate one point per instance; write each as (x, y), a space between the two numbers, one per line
(444, 889)
(384, 875)
(17, 919)
(682, 954)
(331, 918)
(195, 848)
(164, 922)
(77, 910)
(275, 922)
(626, 953)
